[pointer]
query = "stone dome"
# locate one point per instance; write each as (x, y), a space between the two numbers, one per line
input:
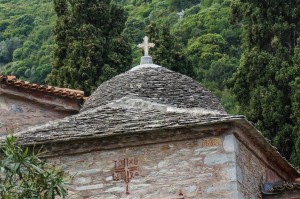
(156, 84)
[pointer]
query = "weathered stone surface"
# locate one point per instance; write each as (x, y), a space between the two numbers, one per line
(202, 150)
(17, 113)
(239, 174)
(219, 158)
(251, 172)
(164, 170)
(230, 143)
(89, 187)
(231, 173)
(82, 180)
(221, 187)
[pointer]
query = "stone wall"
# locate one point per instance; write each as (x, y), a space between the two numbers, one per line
(251, 172)
(203, 168)
(18, 114)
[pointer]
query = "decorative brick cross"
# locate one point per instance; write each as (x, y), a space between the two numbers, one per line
(146, 46)
(125, 170)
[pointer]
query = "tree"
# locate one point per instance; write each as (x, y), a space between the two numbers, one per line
(204, 50)
(168, 52)
(23, 175)
(7, 48)
(263, 81)
(90, 46)
(296, 103)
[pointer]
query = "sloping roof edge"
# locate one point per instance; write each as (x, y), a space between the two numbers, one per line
(262, 143)
(62, 92)
(240, 122)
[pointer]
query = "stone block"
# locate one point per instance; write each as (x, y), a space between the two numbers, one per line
(103, 196)
(86, 172)
(230, 144)
(204, 151)
(239, 174)
(108, 179)
(118, 189)
(231, 173)
(164, 163)
(218, 158)
(89, 187)
(85, 180)
(221, 187)
(190, 190)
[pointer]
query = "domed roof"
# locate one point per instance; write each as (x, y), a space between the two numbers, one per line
(155, 84)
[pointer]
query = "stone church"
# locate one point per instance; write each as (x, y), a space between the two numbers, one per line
(151, 133)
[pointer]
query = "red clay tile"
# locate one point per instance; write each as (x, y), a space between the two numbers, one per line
(63, 92)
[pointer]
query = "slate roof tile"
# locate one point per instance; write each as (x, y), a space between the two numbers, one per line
(158, 85)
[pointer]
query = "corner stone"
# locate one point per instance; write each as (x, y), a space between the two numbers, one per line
(230, 143)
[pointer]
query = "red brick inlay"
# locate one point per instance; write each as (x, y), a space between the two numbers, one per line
(125, 170)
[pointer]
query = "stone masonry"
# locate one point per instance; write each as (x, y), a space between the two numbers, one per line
(251, 173)
(203, 168)
(17, 113)
(209, 167)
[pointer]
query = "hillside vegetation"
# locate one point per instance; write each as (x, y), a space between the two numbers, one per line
(245, 51)
(207, 39)
(26, 41)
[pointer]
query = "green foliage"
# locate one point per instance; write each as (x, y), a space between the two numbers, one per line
(168, 52)
(89, 44)
(25, 29)
(24, 176)
(206, 20)
(32, 22)
(206, 49)
(263, 81)
(87, 49)
(7, 48)
(295, 84)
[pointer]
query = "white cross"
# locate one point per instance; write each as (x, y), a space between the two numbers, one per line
(146, 45)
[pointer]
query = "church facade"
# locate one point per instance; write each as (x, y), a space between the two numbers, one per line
(151, 133)
(220, 160)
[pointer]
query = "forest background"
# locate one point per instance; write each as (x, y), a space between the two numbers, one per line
(225, 44)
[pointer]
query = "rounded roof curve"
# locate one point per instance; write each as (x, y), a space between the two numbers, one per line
(155, 84)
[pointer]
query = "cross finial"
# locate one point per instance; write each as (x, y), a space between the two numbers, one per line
(146, 45)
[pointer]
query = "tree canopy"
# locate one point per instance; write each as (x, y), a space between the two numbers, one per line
(90, 46)
(32, 38)
(168, 52)
(263, 82)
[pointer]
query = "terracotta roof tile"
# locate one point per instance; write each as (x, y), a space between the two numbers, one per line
(63, 92)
